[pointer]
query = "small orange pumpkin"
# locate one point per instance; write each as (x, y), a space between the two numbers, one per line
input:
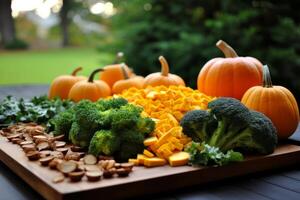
(61, 85)
(135, 81)
(89, 89)
(113, 73)
(163, 77)
(230, 76)
(276, 102)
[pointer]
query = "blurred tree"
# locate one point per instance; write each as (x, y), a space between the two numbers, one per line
(186, 33)
(65, 21)
(7, 27)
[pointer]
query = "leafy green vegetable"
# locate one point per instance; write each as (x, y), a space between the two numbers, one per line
(38, 109)
(204, 154)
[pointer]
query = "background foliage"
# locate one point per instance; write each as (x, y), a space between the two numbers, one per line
(185, 32)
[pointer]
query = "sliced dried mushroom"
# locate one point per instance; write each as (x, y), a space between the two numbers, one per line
(72, 156)
(76, 176)
(43, 146)
(94, 175)
(76, 148)
(64, 150)
(45, 153)
(57, 154)
(127, 166)
(122, 172)
(15, 135)
(59, 144)
(59, 138)
(67, 166)
(89, 159)
(28, 147)
(33, 155)
(26, 142)
(58, 179)
(91, 168)
(102, 157)
(54, 163)
(16, 140)
(45, 161)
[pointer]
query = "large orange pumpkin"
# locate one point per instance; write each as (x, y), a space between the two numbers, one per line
(134, 81)
(113, 73)
(89, 89)
(61, 85)
(163, 77)
(230, 76)
(276, 102)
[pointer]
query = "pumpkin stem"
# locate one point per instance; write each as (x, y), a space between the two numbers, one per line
(267, 82)
(164, 66)
(91, 77)
(124, 72)
(118, 58)
(76, 70)
(228, 51)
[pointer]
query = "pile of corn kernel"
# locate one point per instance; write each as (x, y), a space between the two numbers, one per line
(166, 106)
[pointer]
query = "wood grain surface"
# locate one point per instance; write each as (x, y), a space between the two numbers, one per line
(143, 180)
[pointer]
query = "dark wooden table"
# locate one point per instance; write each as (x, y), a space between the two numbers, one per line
(283, 184)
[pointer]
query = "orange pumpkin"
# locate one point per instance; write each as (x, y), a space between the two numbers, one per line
(89, 89)
(163, 77)
(61, 85)
(276, 102)
(135, 81)
(231, 76)
(113, 73)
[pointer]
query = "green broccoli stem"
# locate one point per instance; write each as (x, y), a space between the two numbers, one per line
(231, 143)
(222, 126)
(231, 133)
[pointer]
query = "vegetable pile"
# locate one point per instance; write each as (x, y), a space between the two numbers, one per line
(108, 127)
(228, 124)
(38, 109)
(166, 105)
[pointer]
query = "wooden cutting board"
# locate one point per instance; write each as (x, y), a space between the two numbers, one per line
(142, 180)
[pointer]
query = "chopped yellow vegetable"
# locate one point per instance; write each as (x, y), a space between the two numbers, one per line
(148, 153)
(179, 159)
(166, 106)
(133, 161)
(154, 162)
(149, 141)
(141, 158)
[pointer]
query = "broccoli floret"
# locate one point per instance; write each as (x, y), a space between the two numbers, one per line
(145, 126)
(63, 122)
(131, 145)
(80, 136)
(126, 117)
(87, 115)
(259, 136)
(198, 124)
(232, 117)
(228, 124)
(114, 103)
(104, 142)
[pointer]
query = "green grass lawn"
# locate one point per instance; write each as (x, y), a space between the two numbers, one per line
(40, 67)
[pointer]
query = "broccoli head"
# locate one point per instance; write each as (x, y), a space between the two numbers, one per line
(104, 142)
(87, 115)
(113, 103)
(80, 136)
(126, 117)
(63, 122)
(132, 143)
(198, 124)
(145, 126)
(228, 124)
(259, 136)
